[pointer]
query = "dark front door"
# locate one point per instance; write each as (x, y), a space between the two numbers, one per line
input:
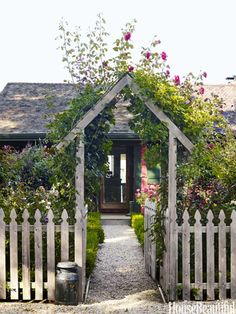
(117, 185)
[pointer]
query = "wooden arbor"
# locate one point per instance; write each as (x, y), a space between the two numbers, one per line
(175, 134)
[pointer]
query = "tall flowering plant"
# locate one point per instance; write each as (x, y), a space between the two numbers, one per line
(150, 192)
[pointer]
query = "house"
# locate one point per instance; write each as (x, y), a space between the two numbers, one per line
(26, 109)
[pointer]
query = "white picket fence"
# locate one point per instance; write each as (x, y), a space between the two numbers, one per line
(205, 258)
(149, 243)
(23, 254)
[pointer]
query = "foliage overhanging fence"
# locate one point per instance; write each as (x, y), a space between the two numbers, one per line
(30, 252)
(205, 264)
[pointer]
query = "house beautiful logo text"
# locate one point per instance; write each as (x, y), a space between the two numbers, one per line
(219, 307)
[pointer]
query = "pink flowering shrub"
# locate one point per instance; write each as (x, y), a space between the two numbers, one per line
(151, 192)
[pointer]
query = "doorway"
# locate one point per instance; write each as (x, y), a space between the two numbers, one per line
(117, 184)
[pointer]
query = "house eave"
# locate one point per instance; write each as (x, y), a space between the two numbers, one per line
(19, 137)
(123, 136)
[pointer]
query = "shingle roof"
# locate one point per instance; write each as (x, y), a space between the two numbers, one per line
(228, 93)
(25, 107)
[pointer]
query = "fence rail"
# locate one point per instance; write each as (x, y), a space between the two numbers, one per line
(29, 253)
(205, 264)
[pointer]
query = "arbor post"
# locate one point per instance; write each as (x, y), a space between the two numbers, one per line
(80, 249)
(172, 216)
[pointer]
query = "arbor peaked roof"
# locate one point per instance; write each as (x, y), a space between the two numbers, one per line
(126, 80)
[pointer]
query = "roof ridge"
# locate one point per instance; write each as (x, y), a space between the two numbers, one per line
(40, 83)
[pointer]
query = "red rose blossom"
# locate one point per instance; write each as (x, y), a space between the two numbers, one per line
(130, 68)
(210, 146)
(163, 55)
(176, 79)
(148, 54)
(127, 36)
(201, 90)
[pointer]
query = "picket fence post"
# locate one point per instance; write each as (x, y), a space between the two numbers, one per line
(50, 255)
(64, 237)
(14, 288)
(222, 256)
(38, 256)
(186, 255)
(233, 254)
(210, 256)
(198, 255)
(26, 256)
(3, 256)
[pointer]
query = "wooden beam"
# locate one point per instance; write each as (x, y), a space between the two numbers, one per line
(80, 211)
(161, 116)
(107, 98)
(79, 173)
(172, 190)
(94, 112)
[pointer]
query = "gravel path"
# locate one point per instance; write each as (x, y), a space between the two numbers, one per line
(119, 272)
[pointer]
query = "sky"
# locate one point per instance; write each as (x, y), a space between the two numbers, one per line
(196, 35)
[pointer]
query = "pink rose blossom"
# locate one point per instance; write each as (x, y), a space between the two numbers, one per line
(130, 68)
(127, 36)
(176, 79)
(204, 74)
(163, 55)
(201, 90)
(210, 146)
(148, 54)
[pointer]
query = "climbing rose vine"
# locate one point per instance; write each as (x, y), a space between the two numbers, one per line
(150, 192)
(182, 99)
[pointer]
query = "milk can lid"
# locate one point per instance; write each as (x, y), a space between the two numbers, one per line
(67, 265)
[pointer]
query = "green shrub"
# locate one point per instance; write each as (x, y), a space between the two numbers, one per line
(137, 222)
(94, 223)
(91, 252)
(95, 235)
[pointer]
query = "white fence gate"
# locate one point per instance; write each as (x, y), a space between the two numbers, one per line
(28, 251)
(205, 263)
(149, 244)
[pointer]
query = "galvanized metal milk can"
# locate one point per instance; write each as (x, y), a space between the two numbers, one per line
(67, 283)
